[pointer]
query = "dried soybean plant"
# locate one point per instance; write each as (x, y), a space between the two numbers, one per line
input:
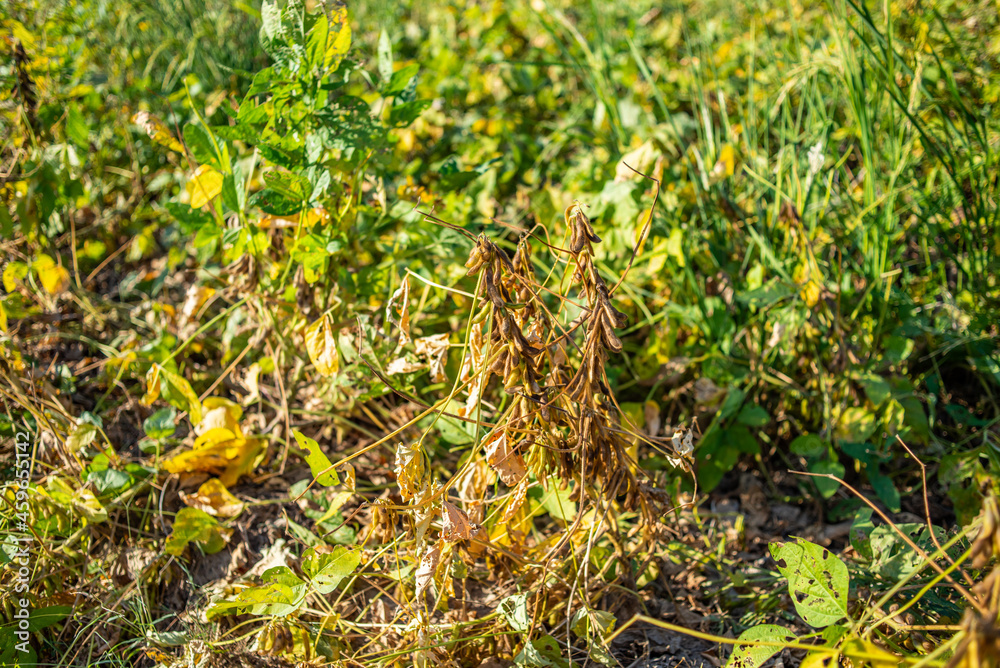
(559, 424)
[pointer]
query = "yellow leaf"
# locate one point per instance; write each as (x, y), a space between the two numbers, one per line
(322, 346)
(157, 131)
(213, 498)
(726, 165)
(54, 277)
(220, 413)
(13, 272)
(409, 470)
(204, 185)
(220, 452)
(865, 653)
(152, 386)
(338, 40)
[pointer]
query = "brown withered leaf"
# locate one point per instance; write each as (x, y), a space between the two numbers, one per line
(425, 571)
(402, 296)
(504, 459)
(456, 523)
(515, 501)
(435, 349)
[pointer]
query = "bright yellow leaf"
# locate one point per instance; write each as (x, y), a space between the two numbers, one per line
(54, 277)
(213, 498)
(322, 346)
(338, 40)
(204, 185)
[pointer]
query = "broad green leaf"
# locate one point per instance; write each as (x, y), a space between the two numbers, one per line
(319, 463)
(817, 581)
(826, 486)
(860, 533)
(892, 557)
(876, 388)
(752, 656)
(178, 392)
(753, 416)
(401, 79)
(855, 425)
(43, 618)
(280, 593)
(161, 424)
(193, 525)
(109, 481)
(404, 114)
(326, 570)
(808, 445)
(200, 144)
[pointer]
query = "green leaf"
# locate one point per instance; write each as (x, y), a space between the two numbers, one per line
(77, 130)
(514, 610)
(809, 445)
(199, 143)
(319, 463)
(193, 525)
(384, 55)
(110, 481)
(876, 388)
(892, 557)
(826, 486)
(401, 79)
(280, 593)
(326, 570)
(860, 533)
(161, 424)
(177, 391)
(817, 581)
(752, 656)
(42, 618)
(855, 425)
(753, 416)
(276, 204)
(404, 114)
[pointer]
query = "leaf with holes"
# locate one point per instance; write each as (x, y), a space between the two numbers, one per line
(319, 463)
(817, 581)
(752, 656)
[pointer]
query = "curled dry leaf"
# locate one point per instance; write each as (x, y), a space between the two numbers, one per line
(456, 523)
(213, 498)
(428, 564)
(194, 299)
(515, 501)
(402, 296)
(507, 462)
(683, 446)
(402, 365)
(322, 346)
(409, 470)
(435, 349)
